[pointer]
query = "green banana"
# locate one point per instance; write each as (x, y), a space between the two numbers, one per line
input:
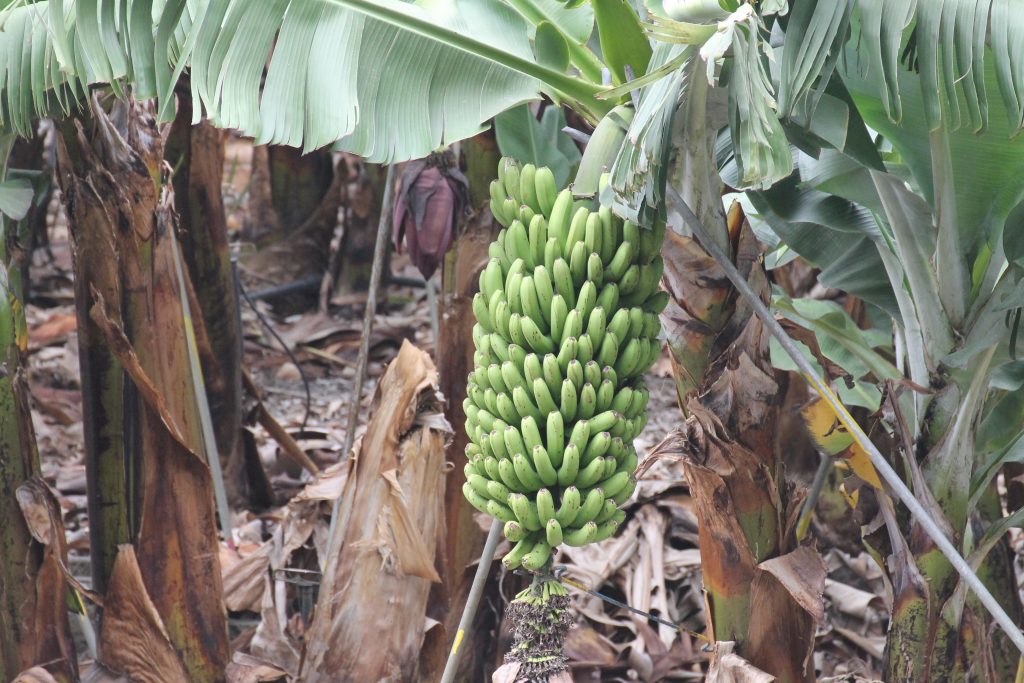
(568, 401)
(530, 302)
(567, 352)
(525, 513)
(561, 274)
(560, 217)
(569, 506)
(497, 191)
(530, 433)
(580, 435)
(604, 421)
(596, 448)
(577, 229)
(527, 187)
(514, 443)
(622, 259)
(508, 173)
(553, 533)
(481, 313)
(578, 258)
(544, 291)
(526, 473)
(588, 475)
(513, 558)
(499, 511)
(606, 530)
(575, 372)
(610, 235)
(597, 324)
(586, 300)
(491, 467)
(587, 402)
(552, 373)
(545, 505)
(629, 359)
(517, 244)
(650, 242)
(537, 340)
(474, 498)
(570, 467)
(511, 376)
(608, 510)
(479, 485)
(555, 438)
(507, 474)
(545, 402)
(544, 467)
(573, 326)
(630, 280)
(551, 252)
(615, 483)
(532, 368)
(608, 299)
(538, 557)
(581, 536)
(537, 231)
(626, 492)
(514, 531)
(584, 348)
(516, 354)
(589, 508)
(595, 270)
(523, 402)
(559, 313)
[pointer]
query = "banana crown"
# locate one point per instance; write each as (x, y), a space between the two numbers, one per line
(566, 326)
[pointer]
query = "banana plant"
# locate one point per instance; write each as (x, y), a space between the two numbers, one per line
(923, 223)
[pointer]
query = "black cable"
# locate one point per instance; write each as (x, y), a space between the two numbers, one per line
(273, 333)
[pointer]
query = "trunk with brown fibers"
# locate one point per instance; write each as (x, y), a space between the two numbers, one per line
(463, 539)
(34, 627)
(762, 591)
(154, 539)
(196, 153)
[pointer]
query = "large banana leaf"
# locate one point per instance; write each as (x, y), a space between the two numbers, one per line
(947, 40)
(386, 79)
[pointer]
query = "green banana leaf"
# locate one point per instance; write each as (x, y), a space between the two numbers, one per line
(542, 143)
(387, 79)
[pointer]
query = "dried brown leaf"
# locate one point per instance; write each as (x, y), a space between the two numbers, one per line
(369, 621)
(36, 674)
(506, 673)
(133, 639)
(729, 667)
(121, 347)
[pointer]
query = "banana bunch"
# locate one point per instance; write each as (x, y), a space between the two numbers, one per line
(567, 324)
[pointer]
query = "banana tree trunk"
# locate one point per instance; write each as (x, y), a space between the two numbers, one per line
(34, 627)
(197, 155)
(149, 485)
(361, 202)
(937, 632)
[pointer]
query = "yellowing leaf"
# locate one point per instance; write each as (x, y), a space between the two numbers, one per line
(832, 437)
